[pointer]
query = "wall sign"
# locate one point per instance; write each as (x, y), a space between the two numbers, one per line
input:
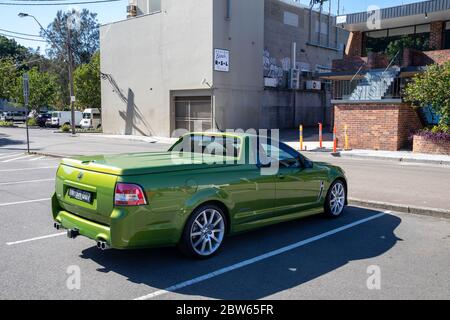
(221, 60)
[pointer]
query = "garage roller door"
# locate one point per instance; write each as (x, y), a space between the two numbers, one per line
(193, 113)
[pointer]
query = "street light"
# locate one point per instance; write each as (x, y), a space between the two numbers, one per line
(70, 61)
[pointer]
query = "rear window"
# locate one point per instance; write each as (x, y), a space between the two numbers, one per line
(209, 145)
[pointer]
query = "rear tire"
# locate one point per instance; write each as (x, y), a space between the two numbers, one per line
(204, 232)
(336, 199)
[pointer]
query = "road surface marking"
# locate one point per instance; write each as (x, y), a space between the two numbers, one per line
(265, 256)
(22, 202)
(10, 155)
(22, 169)
(37, 238)
(28, 181)
(19, 158)
(38, 158)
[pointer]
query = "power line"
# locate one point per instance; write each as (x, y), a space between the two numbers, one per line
(55, 4)
(22, 38)
(20, 33)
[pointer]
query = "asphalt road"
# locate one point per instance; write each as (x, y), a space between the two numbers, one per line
(306, 259)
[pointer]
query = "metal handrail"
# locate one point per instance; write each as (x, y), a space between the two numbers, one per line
(359, 70)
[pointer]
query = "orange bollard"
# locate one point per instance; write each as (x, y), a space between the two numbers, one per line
(335, 140)
(320, 135)
(301, 138)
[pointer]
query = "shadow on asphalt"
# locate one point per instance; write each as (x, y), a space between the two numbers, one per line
(5, 141)
(164, 267)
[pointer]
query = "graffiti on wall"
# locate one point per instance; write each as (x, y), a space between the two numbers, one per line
(274, 69)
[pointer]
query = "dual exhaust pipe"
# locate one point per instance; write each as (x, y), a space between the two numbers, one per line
(74, 233)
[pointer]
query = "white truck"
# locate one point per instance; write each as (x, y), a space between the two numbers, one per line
(91, 119)
(60, 118)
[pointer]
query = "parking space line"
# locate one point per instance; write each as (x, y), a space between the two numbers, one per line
(22, 202)
(22, 169)
(10, 155)
(19, 158)
(38, 158)
(264, 256)
(28, 181)
(37, 238)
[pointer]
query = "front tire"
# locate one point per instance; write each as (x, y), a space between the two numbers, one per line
(336, 199)
(204, 232)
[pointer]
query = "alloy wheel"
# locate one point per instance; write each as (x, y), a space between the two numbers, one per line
(207, 232)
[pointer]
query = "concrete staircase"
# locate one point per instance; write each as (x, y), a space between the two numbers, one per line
(374, 85)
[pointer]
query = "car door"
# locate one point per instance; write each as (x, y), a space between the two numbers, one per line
(298, 184)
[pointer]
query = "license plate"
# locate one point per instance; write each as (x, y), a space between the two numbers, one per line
(80, 195)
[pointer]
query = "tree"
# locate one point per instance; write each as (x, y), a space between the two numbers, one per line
(84, 30)
(43, 89)
(431, 88)
(84, 43)
(87, 84)
(8, 75)
(11, 49)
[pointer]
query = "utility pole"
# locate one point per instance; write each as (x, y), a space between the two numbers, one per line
(71, 89)
(70, 62)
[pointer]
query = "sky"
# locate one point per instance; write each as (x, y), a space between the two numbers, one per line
(115, 11)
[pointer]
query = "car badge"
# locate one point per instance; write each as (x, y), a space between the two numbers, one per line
(80, 176)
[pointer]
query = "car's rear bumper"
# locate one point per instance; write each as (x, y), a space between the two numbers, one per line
(85, 227)
(127, 228)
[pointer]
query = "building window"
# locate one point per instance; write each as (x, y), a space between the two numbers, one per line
(383, 41)
(447, 35)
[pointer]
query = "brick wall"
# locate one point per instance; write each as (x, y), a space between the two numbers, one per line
(376, 126)
(422, 145)
(413, 57)
(354, 44)
(436, 35)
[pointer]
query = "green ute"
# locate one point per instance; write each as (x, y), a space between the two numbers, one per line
(192, 197)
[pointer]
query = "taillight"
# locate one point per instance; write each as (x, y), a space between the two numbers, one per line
(128, 194)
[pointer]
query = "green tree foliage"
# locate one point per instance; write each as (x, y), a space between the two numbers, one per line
(432, 88)
(406, 42)
(43, 88)
(87, 84)
(8, 74)
(11, 49)
(84, 30)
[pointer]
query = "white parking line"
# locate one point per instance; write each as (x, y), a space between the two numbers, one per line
(10, 155)
(22, 202)
(38, 158)
(19, 158)
(28, 181)
(265, 256)
(22, 169)
(37, 238)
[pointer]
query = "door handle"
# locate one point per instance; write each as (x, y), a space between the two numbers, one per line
(281, 176)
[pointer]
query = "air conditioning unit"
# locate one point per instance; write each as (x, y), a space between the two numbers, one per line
(313, 85)
(131, 11)
(294, 79)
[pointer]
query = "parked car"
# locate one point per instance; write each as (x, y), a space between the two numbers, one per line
(5, 116)
(17, 116)
(91, 119)
(60, 118)
(190, 196)
(42, 119)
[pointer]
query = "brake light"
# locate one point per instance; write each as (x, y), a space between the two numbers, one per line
(127, 194)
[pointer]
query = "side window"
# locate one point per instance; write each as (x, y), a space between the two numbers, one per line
(285, 156)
